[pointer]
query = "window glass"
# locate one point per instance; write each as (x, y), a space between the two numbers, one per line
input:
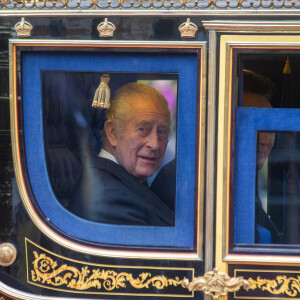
(277, 185)
(99, 158)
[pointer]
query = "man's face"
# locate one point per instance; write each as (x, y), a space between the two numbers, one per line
(141, 146)
(265, 139)
(265, 142)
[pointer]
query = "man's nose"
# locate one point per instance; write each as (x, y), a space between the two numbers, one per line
(153, 141)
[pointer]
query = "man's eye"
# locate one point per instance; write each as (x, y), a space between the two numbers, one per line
(144, 130)
(163, 133)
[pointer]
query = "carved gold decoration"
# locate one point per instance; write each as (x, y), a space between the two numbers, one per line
(8, 254)
(106, 28)
(147, 4)
(2, 298)
(188, 29)
(281, 285)
(215, 284)
(47, 271)
(23, 28)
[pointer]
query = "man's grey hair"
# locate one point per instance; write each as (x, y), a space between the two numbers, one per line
(119, 109)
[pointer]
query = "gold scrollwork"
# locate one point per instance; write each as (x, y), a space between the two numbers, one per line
(215, 284)
(47, 271)
(281, 285)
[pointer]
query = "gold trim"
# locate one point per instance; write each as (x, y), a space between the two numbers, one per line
(227, 44)
(48, 272)
(210, 155)
(281, 285)
(94, 278)
(253, 26)
(216, 284)
(151, 5)
(16, 156)
(67, 12)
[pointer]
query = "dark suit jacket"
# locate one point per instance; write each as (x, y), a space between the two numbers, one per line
(164, 184)
(107, 193)
(262, 219)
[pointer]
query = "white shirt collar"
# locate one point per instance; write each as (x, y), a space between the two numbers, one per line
(103, 153)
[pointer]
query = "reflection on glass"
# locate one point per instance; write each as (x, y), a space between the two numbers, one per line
(265, 230)
(278, 188)
(98, 160)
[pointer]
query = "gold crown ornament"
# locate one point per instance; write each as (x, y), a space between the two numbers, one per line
(188, 29)
(106, 28)
(23, 28)
(102, 94)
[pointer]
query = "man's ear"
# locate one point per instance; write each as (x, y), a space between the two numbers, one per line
(111, 133)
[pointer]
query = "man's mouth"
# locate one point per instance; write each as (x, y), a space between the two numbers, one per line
(148, 159)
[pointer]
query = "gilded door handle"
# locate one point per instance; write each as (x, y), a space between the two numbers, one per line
(8, 254)
(215, 284)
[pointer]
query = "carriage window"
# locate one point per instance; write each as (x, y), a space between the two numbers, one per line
(88, 160)
(267, 143)
(112, 170)
(277, 187)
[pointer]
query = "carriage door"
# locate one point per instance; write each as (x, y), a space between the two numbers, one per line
(257, 194)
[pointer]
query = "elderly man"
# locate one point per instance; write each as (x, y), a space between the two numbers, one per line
(135, 137)
(257, 92)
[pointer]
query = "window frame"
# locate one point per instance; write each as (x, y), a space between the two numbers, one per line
(41, 220)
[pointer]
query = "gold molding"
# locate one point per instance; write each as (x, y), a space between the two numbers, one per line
(52, 271)
(253, 26)
(228, 43)
(197, 12)
(40, 223)
(210, 153)
(216, 284)
(150, 5)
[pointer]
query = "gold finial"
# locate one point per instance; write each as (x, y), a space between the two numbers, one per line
(23, 28)
(106, 28)
(287, 67)
(188, 29)
(102, 94)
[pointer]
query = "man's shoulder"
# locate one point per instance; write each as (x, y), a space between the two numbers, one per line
(107, 187)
